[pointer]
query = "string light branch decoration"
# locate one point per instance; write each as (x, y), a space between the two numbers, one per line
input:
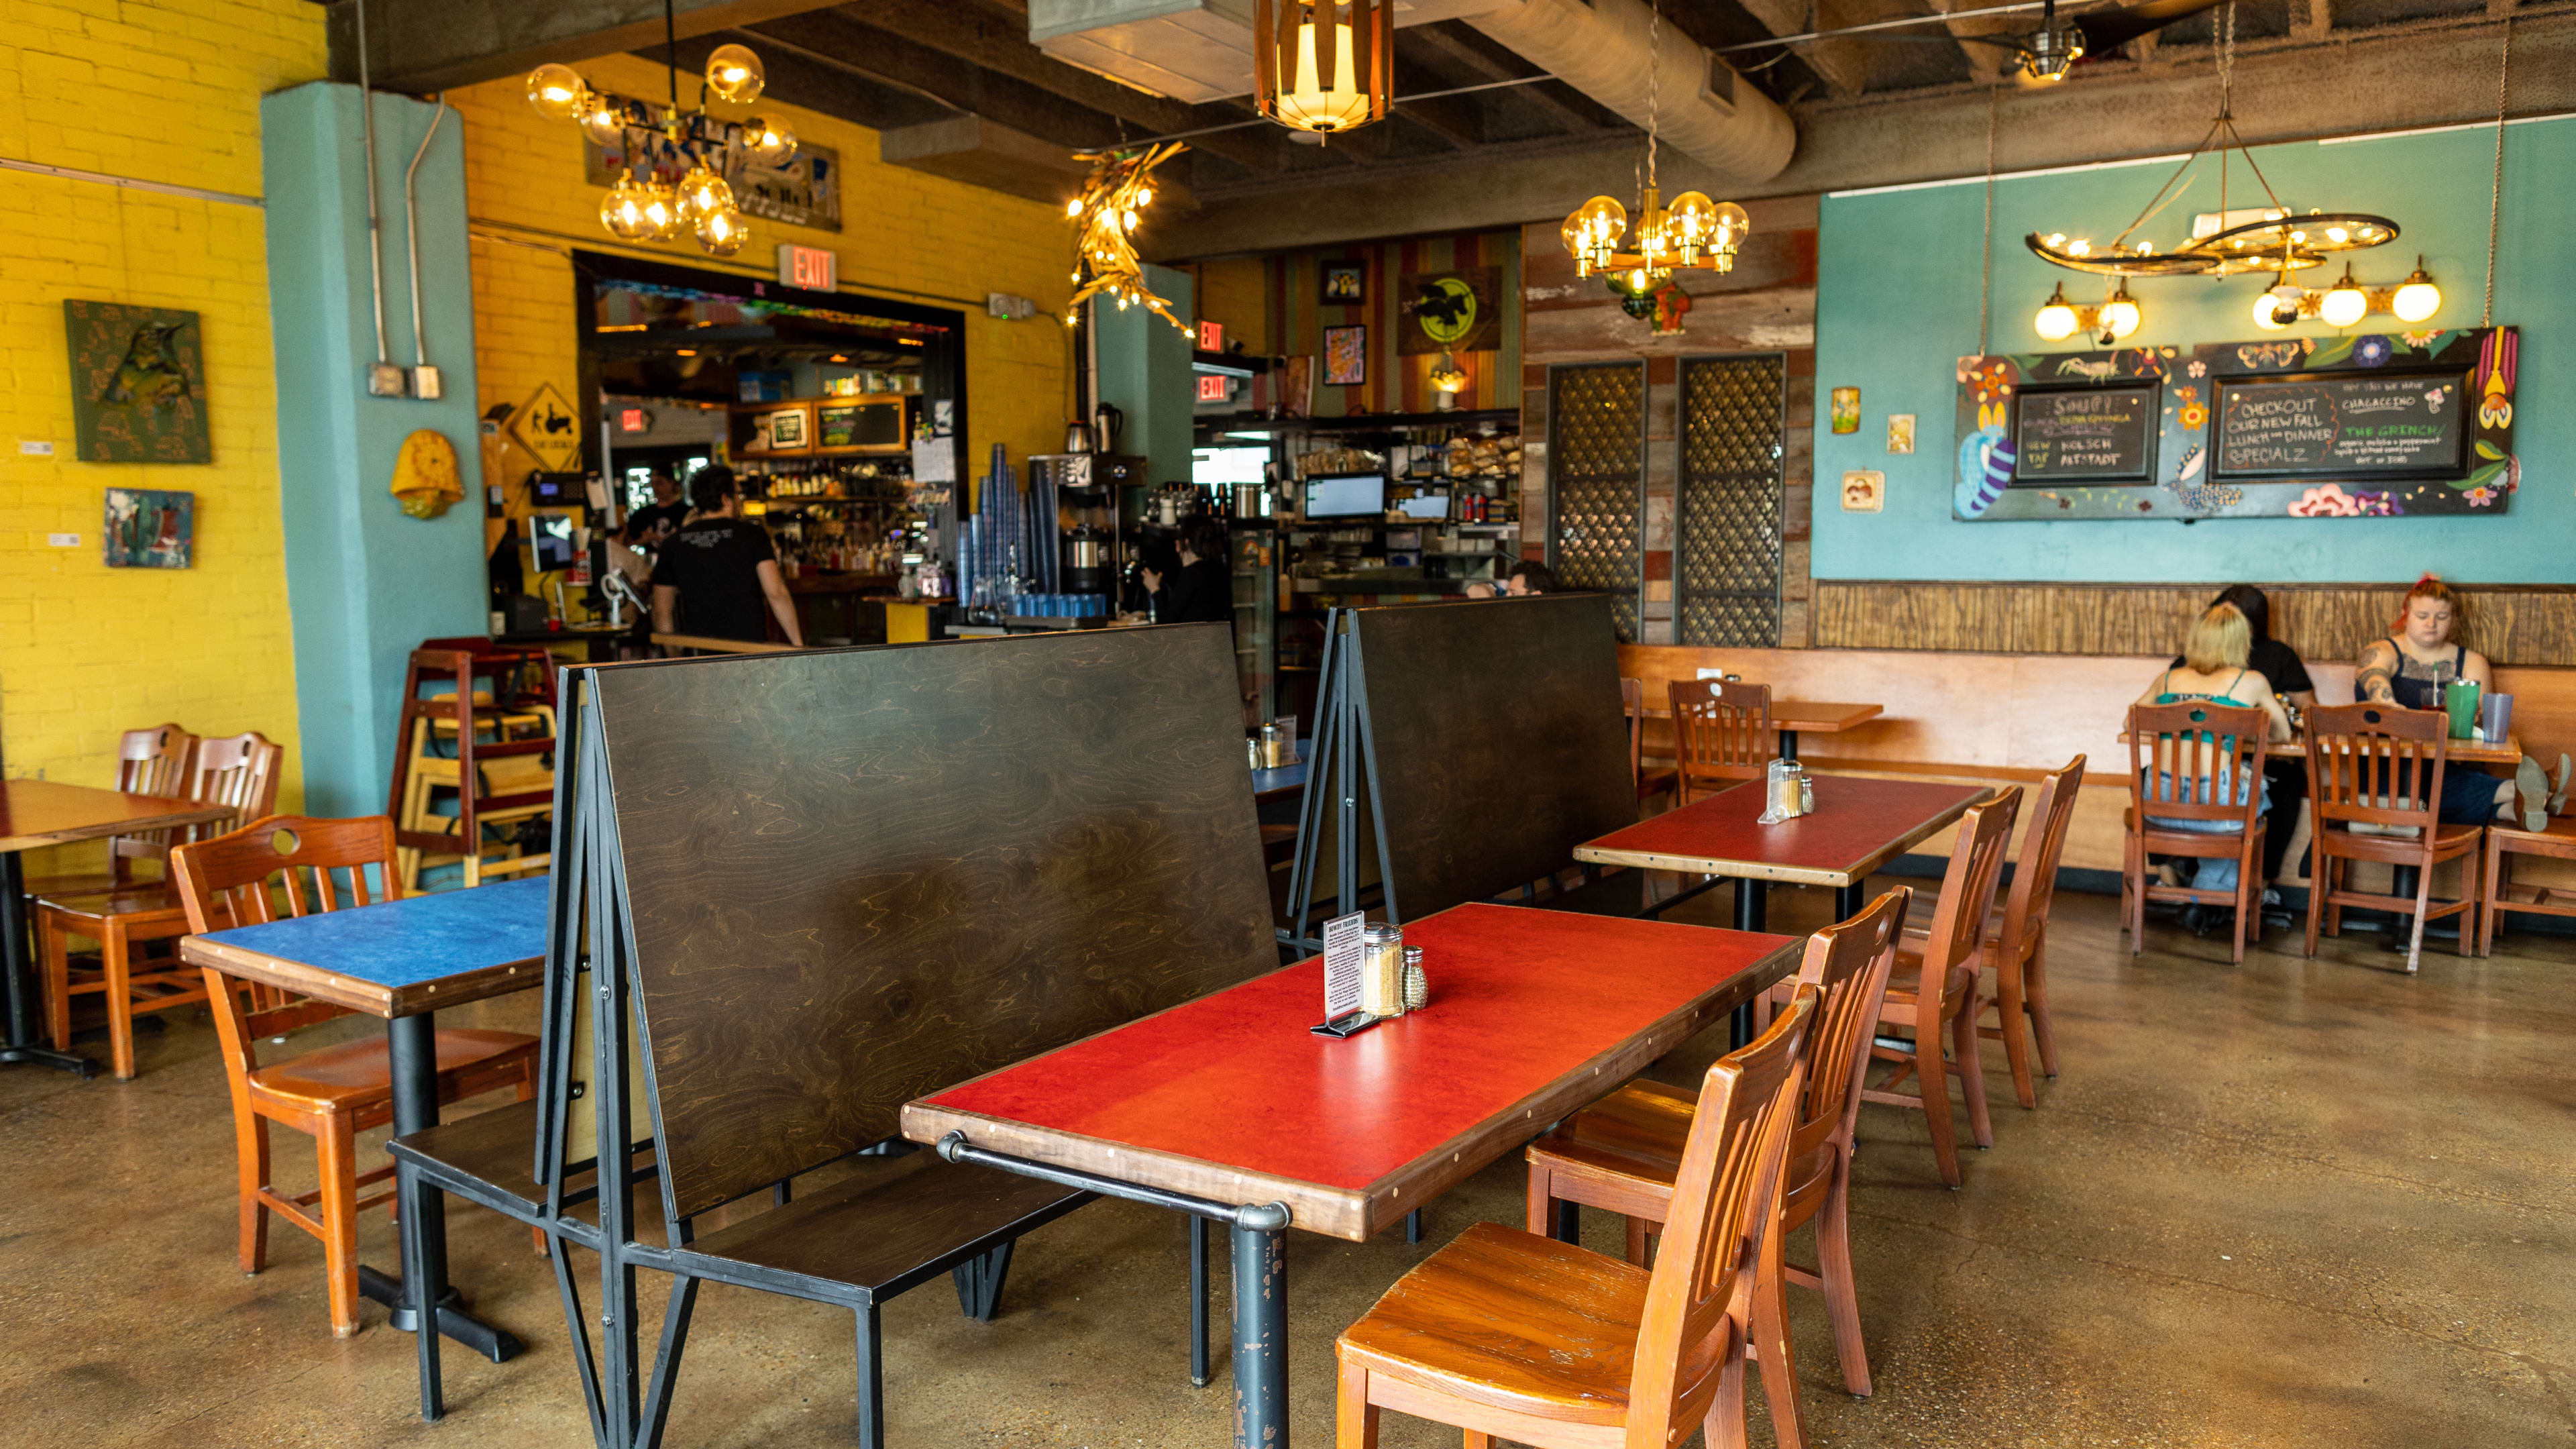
(700, 154)
(1107, 213)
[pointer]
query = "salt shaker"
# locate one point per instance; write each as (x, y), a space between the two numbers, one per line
(1417, 986)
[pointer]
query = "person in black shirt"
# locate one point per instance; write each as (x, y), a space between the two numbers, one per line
(1201, 590)
(719, 571)
(2279, 664)
(668, 510)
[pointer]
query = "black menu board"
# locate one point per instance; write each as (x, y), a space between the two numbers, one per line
(2086, 434)
(2343, 426)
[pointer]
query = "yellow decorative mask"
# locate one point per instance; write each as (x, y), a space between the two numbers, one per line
(426, 477)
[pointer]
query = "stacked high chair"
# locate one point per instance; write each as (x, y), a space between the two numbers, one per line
(490, 759)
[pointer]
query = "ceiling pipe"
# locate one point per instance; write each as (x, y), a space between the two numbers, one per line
(1705, 109)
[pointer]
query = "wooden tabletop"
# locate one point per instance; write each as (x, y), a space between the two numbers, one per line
(1858, 825)
(395, 958)
(41, 812)
(2466, 752)
(1805, 715)
(1533, 1014)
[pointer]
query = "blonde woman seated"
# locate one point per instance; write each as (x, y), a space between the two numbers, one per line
(2213, 670)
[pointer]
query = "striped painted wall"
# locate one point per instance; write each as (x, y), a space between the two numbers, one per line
(1296, 317)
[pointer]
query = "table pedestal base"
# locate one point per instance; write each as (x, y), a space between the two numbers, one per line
(14, 962)
(497, 1344)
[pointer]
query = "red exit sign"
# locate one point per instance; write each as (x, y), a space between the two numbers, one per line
(1212, 337)
(808, 267)
(1211, 387)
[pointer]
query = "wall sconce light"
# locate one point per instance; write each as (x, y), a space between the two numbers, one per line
(2348, 301)
(1447, 381)
(2110, 320)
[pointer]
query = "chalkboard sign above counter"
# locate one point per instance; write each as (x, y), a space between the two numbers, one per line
(2369, 425)
(2094, 434)
(2348, 426)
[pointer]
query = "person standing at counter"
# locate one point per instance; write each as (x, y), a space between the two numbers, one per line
(719, 571)
(1201, 590)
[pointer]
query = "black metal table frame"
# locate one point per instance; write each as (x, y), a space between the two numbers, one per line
(17, 961)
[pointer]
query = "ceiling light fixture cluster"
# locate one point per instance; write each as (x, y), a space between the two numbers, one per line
(2348, 301)
(1694, 233)
(1104, 258)
(700, 151)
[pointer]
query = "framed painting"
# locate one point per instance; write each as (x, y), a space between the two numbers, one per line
(1344, 284)
(1345, 356)
(1453, 311)
(138, 384)
(148, 528)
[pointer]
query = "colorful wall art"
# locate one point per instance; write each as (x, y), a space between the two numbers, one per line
(138, 384)
(147, 528)
(2376, 425)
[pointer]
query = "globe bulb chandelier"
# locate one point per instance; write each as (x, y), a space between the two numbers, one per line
(1693, 234)
(702, 152)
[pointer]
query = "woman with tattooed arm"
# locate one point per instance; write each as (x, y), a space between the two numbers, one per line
(2411, 667)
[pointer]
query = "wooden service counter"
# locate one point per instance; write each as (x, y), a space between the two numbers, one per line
(2010, 718)
(842, 606)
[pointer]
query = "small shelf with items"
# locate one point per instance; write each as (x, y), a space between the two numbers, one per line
(836, 426)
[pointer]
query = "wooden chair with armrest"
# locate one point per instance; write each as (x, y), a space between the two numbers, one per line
(1509, 1335)
(240, 771)
(148, 762)
(1934, 989)
(1722, 734)
(2375, 790)
(1623, 1153)
(2188, 763)
(1649, 783)
(331, 1093)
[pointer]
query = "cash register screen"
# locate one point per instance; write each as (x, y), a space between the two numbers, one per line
(1346, 495)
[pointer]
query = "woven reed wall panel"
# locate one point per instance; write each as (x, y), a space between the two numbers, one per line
(2528, 625)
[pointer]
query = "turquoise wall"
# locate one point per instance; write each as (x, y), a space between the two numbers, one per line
(1145, 373)
(365, 581)
(1896, 307)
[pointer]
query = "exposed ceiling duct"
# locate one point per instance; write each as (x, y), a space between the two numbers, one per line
(1703, 108)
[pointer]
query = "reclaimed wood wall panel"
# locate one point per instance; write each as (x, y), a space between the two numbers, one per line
(2526, 625)
(859, 876)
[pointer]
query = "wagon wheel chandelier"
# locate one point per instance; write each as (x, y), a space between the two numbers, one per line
(2280, 242)
(1693, 234)
(705, 154)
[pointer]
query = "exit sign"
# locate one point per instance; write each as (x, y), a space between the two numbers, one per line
(808, 267)
(1212, 387)
(1212, 337)
(634, 420)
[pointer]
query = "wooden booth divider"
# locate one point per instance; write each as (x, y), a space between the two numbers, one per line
(795, 891)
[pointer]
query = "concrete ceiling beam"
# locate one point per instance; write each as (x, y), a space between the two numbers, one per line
(2427, 73)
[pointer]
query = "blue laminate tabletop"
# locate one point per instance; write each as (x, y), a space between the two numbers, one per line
(396, 958)
(1272, 782)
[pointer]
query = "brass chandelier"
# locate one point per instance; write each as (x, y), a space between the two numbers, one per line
(1693, 234)
(703, 152)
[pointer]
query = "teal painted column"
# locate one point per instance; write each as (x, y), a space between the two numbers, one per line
(365, 581)
(1145, 374)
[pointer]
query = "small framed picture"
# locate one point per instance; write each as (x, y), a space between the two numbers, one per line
(1345, 356)
(1344, 284)
(1846, 410)
(1864, 491)
(1900, 432)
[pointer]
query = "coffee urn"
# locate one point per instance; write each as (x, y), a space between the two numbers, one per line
(1086, 560)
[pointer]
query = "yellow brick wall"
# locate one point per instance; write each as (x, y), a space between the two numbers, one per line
(164, 92)
(1236, 292)
(905, 234)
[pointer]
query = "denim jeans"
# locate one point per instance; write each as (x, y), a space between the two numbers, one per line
(2215, 875)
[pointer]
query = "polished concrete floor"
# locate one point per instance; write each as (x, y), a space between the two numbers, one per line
(2293, 1203)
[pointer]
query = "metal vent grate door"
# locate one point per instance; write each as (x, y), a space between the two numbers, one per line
(1597, 484)
(1726, 525)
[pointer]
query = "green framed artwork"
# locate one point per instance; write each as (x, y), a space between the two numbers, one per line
(2379, 425)
(138, 384)
(150, 528)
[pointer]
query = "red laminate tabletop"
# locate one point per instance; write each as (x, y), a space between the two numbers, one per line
(43, 812)
(1533, 1014)
(1858, 825)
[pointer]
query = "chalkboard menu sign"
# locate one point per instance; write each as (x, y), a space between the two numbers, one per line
(2344, 426)
(2085, 434)
(873, 424)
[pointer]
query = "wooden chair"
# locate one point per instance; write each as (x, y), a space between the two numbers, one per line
(240, 771)
(2017, 946)
(335, 1092)
(1935, 988)
(2178, 755)
(500, 780)
(1510, 1335)
(1623, 1154)
(2555, 841)
(1649, 783)
(1721, 734)
(148, 762)
(2375, 790)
